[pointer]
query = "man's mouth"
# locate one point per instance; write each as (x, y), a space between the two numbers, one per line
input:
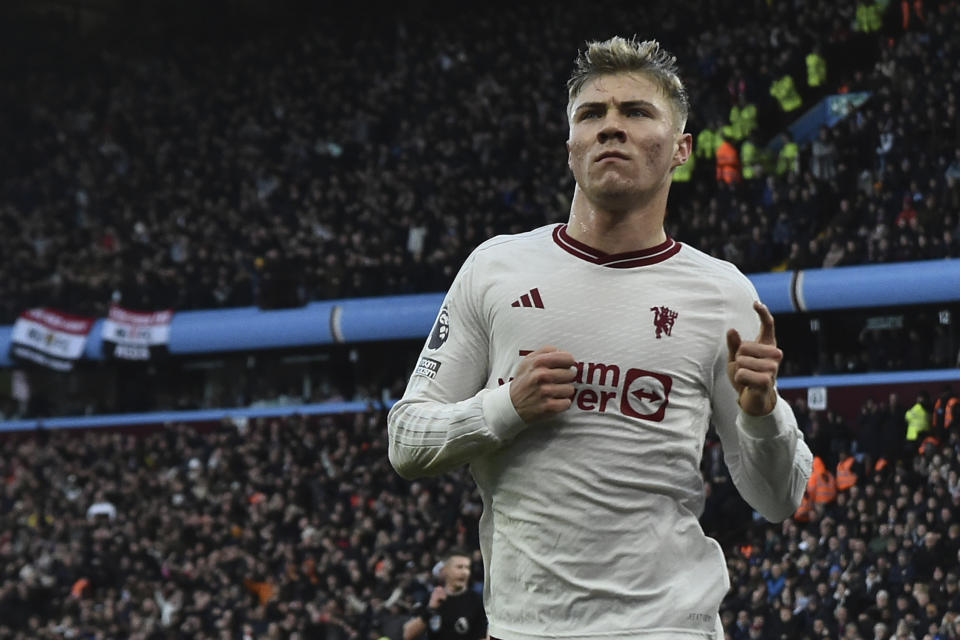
(612, 155)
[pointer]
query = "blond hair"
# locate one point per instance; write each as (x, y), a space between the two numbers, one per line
(620, 55)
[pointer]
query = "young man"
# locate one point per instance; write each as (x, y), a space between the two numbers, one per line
(454, 611)
(577, 367)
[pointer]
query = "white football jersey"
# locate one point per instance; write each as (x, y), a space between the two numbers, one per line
(590, 523)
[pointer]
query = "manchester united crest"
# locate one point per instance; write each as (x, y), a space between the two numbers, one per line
(663, 319)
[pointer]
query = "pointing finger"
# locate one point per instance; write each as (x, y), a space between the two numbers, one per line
(767, 333)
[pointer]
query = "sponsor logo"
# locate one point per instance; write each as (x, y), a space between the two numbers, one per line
(603, 387)
(441, 329)
(645, 395)
(427, 367)
(663, 319)
(530, 299)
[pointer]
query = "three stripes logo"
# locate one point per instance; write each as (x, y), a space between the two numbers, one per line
(531, 299)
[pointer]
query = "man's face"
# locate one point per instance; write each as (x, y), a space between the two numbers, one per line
(624, 140)
(456, 573)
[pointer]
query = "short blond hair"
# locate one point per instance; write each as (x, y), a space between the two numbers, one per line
(620, 55)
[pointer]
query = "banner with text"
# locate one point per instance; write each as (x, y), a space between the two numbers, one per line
(136, 335)
(49, 338)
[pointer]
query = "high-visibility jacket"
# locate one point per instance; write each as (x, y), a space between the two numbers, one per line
(788, 160)
(846, 478)
(824, 483)
(728, 163)
(743, 120)
(869, 17)
(928, 440)
(785, 91)
(905, 12)
(816, 70)
(684, 172)
(945, 412)
(805, 510)
(918, 421)
(707, 143)
(750, 159)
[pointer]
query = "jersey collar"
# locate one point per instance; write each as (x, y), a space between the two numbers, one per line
(627, 260)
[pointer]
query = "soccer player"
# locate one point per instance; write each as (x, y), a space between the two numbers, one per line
(454, 611)
(576, 368)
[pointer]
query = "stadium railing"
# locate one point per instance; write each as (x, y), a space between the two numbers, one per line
(411, 316)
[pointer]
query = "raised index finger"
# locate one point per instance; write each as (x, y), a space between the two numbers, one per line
(767, 334)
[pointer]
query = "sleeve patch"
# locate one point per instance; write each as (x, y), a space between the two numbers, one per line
(441, 329)
(427, 367)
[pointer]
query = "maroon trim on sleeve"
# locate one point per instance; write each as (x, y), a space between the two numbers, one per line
(626, 260)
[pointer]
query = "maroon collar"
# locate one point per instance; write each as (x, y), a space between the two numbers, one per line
(641, 258)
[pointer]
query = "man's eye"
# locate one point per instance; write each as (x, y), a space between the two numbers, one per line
(590, 114)
(638, 113)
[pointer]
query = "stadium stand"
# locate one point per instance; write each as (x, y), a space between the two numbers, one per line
(297, 528)
(326, 162)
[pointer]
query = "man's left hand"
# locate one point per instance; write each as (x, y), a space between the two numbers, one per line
(752, 366)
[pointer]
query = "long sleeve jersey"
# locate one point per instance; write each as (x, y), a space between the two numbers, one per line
(590, 522)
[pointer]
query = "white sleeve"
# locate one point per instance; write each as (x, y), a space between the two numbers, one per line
(767, 457)
(446, 417)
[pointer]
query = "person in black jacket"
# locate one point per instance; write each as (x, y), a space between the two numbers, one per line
(454, 611)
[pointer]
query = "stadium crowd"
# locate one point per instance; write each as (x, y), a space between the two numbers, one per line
(346, 158)
(298, 528)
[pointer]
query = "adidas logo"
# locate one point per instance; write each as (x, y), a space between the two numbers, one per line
(531, 299)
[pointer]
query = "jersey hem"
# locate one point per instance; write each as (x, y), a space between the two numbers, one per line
(665, 633)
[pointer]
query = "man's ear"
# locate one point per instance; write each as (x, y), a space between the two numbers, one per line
(683, 150)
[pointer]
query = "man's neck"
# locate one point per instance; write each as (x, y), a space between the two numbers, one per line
(615, 232)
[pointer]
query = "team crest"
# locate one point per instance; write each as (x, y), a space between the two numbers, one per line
(663, 319)
(441, 329)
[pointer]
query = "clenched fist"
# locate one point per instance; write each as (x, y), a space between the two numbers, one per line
(543, 385)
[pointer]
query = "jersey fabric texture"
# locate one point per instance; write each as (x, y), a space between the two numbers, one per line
(590, 523)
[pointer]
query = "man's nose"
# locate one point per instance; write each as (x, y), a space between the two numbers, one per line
(611, 131)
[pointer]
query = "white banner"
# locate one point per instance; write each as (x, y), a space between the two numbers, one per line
(50, 338)
(136, 335)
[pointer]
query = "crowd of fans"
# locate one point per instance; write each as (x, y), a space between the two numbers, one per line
(298, 528)
(344, 157)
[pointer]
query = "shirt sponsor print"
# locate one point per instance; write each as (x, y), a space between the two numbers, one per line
(603, 387)
(427, 368)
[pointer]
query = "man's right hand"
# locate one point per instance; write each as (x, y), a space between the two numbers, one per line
(437, 597)
(543, 385)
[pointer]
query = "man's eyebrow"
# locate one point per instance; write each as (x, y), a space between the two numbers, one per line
(631, 104)
(622, 106)
(590, 105)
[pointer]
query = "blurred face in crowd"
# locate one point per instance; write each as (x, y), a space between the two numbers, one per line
(456, 573)
(625, 140)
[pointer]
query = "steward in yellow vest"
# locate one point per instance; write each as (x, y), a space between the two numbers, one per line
(785, 91)
(918, 418)
(816, 68)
